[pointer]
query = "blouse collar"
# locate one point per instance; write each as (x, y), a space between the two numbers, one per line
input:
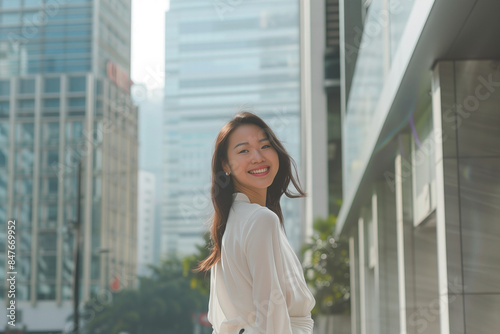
(240, 197)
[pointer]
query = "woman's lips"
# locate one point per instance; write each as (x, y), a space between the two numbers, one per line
(260, 171)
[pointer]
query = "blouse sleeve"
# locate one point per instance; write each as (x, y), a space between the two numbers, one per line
(265, 262)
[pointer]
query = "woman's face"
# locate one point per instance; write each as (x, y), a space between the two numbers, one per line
(252, 161)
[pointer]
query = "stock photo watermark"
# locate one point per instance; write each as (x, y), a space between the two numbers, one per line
(424, 315)
(453, 117)
(365, 35)
(32, 23)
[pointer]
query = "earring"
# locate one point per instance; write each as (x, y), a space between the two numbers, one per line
(227, 174)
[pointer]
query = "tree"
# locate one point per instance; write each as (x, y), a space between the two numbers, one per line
(199, 280)
(327, 272)
(164, 303)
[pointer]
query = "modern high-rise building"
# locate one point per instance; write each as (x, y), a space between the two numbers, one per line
(221, 58)
(146, 222)
(421, 143)
(65, 99)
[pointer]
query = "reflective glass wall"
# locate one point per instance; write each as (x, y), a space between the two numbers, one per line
(220, 59)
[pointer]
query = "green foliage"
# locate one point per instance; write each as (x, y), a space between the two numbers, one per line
(164, 303)
(199, 280)
(327, 271)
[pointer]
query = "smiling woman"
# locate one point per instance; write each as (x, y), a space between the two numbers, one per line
(257, 283)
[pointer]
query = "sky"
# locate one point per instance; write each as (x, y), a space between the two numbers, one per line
(148, 42)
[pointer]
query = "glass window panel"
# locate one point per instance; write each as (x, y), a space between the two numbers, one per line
(52, 185)
(11, 3)
(25, 158)
(70, 209)
(53, 65)
(67, 292)
(399, 11)
(4, 86)
(3, 190)
(4, 151)
(23, 211)
(80, 32)
(26, 104)
(2, 263)
(77, 130)
(4, 108)
(78, 66)
(52, 212)
(46, 291)
(76, 102)
(23, 292)
(94, 268)
(52, 85)
(27, 86)
(47, 241)
(23, 267)
(10, 18)
(51, 130)
(51, 103)
(52, 157)
(25, 132)
(33, 3)
(24, 186)
(31, 22)
(77, 84)
(78, 15)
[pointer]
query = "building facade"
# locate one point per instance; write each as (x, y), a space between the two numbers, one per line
(64, 99)
(420, 140)
(146, 222)
(221, 58)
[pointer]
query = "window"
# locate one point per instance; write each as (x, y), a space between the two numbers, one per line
(51, 103)
(26, 104)
(10, 18)
(4, 151)
(27, 86)
(25, 132)
(77, 84)
(76, 102)
(51, 131)
(33, 3)
(52, 85)
(4, 87)
(52, 185)
(11, 3)
(4, 109)
(424, 171)
(4, 132)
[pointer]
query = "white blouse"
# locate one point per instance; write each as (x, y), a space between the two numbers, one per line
(258, 284)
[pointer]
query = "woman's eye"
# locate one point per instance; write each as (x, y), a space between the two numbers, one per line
(242, 151)
(266, 146)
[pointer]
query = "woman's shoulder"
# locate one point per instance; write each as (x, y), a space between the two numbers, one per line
(262, 219)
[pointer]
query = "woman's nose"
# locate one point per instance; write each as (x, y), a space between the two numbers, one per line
(257, 156)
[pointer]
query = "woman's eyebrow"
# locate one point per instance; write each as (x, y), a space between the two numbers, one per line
(246, 143)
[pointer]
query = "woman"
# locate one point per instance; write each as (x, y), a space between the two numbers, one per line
(257, 284)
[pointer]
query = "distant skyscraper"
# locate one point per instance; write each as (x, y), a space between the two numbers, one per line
(220, 57)
(64, 98)
(146, 222)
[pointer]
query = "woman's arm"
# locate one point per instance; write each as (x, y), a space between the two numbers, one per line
(264, 259)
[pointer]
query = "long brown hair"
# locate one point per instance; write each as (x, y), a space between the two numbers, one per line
(223, 186)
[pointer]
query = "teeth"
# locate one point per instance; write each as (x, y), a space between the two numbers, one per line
(259, 171)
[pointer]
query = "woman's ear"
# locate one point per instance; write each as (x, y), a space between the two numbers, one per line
(225, 167)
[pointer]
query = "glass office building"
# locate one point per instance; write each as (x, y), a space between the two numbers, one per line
(221, 58)
(64, 98)
(421, 159)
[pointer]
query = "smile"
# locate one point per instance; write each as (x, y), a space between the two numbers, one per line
(260, 172)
